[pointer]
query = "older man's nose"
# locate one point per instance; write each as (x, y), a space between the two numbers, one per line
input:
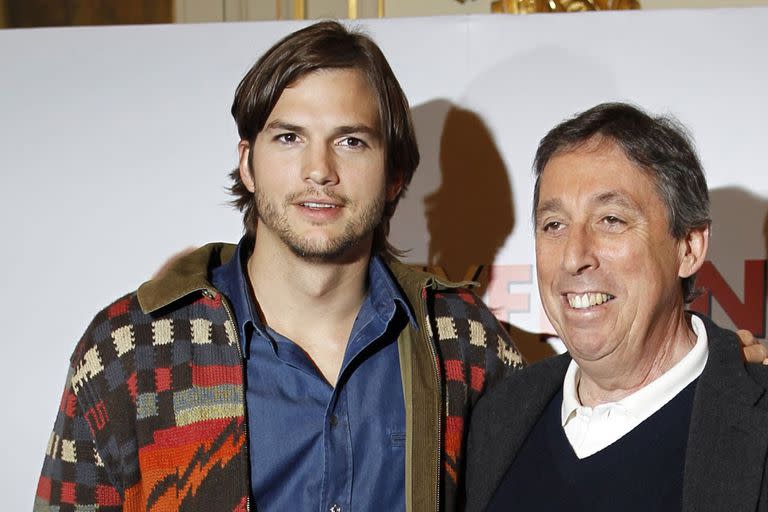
(579, 251)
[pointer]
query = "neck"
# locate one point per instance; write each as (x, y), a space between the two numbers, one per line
(634, 366)
(291, 290)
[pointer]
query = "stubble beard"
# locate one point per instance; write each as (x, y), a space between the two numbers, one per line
(356, 231)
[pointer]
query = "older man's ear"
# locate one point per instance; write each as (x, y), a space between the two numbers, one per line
(753, 350)
(693, 251)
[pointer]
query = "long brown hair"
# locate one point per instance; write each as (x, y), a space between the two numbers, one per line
(326, 45)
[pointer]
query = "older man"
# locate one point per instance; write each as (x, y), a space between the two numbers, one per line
(651, 407)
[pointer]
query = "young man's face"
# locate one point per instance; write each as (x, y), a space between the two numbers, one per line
(318, 168)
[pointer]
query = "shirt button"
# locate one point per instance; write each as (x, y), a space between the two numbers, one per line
(335, 508)
(334, 421)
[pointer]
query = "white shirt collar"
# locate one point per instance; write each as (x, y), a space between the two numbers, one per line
(633, 409)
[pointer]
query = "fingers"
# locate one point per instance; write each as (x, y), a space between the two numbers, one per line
(747, 338)
(754, 350)
(756, 353)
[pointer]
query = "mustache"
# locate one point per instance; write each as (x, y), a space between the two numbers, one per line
(317, 193)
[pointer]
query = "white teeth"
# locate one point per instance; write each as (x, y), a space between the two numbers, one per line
(588, 299)
(318, 205)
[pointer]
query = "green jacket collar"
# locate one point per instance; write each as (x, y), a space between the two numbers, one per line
(190, 273)
(183, 275)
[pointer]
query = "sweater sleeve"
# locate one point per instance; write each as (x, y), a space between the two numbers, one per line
(475, 353)
(74, 476)
(501, 355)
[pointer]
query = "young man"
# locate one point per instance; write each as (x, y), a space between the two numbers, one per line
(304, 369)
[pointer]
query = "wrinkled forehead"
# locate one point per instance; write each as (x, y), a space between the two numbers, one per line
(591, 174)
(596, 149)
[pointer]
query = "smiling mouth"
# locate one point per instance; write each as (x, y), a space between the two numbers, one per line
(588, 299)
(318, 206)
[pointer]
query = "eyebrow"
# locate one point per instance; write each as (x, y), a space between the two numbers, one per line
(284, 126)
(277, 124)
(616, 198)
(612, 197)
(358, 128)
(550, 205)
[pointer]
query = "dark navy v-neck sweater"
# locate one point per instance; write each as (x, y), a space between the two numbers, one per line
(642, 471)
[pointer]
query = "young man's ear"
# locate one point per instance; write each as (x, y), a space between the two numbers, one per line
(693, 251)
(395, 185)
(244, 157)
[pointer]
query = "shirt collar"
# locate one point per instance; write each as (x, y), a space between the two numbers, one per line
(647, 400)
(231, 279)
(384, 293)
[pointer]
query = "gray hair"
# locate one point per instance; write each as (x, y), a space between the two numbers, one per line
(660, 146)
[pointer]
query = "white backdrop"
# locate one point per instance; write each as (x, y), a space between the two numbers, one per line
(115, 144)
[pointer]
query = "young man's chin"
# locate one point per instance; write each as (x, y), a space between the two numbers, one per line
(336, 250)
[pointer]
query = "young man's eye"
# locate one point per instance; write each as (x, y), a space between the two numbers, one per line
(287, 138)
(352, 142)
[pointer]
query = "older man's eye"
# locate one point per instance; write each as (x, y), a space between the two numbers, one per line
(612, 222)
(551, 226)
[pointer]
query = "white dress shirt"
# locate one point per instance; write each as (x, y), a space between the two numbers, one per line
(590, 429)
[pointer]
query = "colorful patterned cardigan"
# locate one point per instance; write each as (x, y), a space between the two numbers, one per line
(153, 415)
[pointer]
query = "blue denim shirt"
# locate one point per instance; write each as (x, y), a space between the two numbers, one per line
(313, 446)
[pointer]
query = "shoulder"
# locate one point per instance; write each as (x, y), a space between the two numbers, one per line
(516, 401)
(182, 275)
(458, 313)
(453, 312)
(108, 337)
(501, 421)
(118, 329)
(758, 372)
(107, 324)
(446, 299)
(462, 303)
(520, 388)
(726, 370)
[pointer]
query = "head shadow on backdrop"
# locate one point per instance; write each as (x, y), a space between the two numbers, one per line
(733, 279)
(467, 209)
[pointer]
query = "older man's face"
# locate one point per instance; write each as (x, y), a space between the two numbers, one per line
(608, 268)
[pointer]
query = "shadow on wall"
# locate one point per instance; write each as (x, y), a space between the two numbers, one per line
(735, 283)
(468, 204)
(739, 226)
(471, 214)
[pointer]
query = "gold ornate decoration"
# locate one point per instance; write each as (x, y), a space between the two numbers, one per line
(299, 9)
(532, 6)
(353, 10)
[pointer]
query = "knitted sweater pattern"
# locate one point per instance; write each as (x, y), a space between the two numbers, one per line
(153, 412)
